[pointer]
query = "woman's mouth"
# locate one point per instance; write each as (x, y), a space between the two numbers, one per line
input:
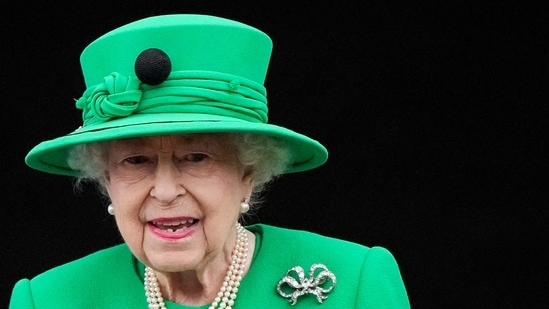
(173, 228)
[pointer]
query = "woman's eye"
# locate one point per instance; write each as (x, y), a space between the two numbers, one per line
(196, 157)
(136, 160)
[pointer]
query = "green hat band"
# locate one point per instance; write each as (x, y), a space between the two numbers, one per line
(198, 92)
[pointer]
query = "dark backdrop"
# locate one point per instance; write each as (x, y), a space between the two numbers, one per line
(433, 114)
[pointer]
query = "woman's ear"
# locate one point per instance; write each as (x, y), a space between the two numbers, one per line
(248, 180)
(107, 177)
(107, 182)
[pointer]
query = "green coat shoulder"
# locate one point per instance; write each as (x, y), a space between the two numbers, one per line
(94, 281)
(365, 277)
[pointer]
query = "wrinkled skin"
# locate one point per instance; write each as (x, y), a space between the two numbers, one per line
(176, 200)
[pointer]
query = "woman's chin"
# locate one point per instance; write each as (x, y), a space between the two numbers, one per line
(174, 250)
(173, 262)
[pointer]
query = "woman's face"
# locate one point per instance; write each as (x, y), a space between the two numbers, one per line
(177, 198)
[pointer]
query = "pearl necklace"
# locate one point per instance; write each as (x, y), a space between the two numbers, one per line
(227, 293)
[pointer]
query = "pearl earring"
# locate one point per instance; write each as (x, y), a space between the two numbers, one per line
(110, 209)
(244, 207)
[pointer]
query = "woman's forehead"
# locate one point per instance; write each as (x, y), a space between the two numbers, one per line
(161, 141)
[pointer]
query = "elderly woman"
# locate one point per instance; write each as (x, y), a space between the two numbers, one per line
(175, 135)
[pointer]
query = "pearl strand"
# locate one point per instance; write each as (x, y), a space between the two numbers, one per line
(152, 290)
(227, 293)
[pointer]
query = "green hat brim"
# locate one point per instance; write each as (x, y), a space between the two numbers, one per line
(51, 156)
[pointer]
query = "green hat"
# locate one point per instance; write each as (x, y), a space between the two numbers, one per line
(175, 74)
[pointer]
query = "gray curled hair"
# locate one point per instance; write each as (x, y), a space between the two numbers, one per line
(266, 156)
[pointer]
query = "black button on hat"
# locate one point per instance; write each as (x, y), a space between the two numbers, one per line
(153, 66)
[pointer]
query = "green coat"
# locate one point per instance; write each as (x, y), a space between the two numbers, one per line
(113, 278)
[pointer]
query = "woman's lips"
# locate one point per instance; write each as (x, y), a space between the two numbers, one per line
(173, 228)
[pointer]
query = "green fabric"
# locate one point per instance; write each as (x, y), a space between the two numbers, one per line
(112, 278)
(218, 68)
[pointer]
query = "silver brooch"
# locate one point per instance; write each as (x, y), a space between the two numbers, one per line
(320, 282)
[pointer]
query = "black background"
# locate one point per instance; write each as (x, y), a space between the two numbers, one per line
(433, 113)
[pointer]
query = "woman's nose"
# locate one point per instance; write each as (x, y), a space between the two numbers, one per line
(167, 186)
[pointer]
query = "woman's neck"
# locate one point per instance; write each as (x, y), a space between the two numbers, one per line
(201, 286)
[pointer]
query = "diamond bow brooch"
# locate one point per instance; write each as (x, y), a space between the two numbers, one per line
(294, 284)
